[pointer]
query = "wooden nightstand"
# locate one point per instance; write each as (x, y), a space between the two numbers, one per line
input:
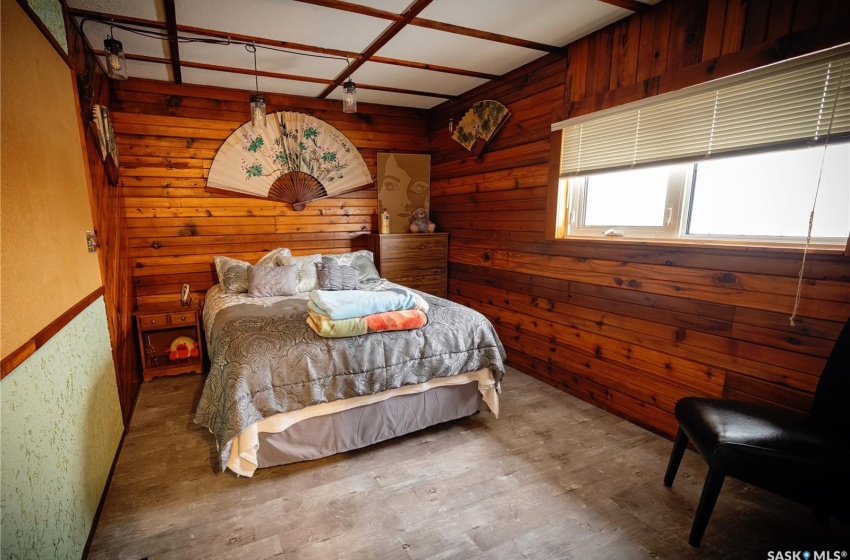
(158, 325)
(415, 260)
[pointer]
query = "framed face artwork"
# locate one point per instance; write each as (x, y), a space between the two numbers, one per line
(404, 184)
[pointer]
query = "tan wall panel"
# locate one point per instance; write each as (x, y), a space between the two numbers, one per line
(44, 195)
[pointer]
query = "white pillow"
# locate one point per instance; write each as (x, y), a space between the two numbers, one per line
(362, 260)
(270, 258)
(306, 270)
(232, 274)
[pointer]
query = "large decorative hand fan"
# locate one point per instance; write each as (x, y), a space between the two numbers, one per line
(294, 158)
(480, 124)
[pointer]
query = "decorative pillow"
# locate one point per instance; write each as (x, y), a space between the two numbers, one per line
(265, 281)
(306, 270)
(270, 258)
(332, 276)
(362, 260)
(232, 274)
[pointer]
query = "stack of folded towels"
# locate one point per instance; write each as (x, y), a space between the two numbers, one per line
(336, 314)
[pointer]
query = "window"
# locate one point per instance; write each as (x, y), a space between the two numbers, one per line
(764, 197)
(737, 158)
(771, 195)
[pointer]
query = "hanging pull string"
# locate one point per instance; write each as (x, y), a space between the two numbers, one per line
(814, 204)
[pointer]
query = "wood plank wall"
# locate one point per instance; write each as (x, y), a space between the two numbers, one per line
(168, 136)
(110, 224)
(634, 327)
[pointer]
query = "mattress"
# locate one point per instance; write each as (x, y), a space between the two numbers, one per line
(270, 371)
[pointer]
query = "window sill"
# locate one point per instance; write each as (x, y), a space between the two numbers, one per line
(814, 249)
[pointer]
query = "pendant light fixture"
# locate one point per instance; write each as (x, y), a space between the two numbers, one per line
(349, 95)
(258, 102)
(116, 64)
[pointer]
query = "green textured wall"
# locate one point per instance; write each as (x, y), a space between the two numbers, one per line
(60, 429)
(50, 14)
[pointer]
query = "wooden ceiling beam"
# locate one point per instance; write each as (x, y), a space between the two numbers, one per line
(407, 91)
(382, 40)
(278, 75)
(433, 67)
(218, 68)
(486, 35)
(105, 17)
(268, 42)
(173, 49)
(354, 9)
(436, 25)
(632, 5)
(224, 35)
(250, 72)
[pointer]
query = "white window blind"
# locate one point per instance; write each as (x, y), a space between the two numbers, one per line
(785, 104)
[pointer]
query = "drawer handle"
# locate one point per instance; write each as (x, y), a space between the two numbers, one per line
(182, 317)
(153, 321)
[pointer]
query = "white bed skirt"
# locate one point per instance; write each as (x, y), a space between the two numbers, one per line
(257, 445)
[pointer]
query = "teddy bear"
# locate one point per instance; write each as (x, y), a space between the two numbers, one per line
(421, 223)
(183, 347)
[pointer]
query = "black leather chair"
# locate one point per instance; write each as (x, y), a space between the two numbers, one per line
(803, 457)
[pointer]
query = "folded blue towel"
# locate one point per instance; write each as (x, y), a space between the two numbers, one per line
(346, 304)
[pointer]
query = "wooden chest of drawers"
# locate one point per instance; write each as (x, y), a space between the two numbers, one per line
(415, 260)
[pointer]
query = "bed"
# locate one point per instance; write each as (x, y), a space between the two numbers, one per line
(278, 393)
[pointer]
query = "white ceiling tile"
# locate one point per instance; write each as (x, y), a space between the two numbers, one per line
(449, 49)
(389, 98)
(291, 87)
(285, 21)
(237, 56)
(402, 77)
(551, 22)
(145, 9)
(246, 82)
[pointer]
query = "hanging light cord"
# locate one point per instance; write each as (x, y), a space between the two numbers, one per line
(348, 69)
(817, 189)
(252, 48)
(152, 34)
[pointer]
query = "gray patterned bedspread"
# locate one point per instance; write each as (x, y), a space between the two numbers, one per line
(266, 360)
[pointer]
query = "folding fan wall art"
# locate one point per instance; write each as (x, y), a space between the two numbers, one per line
(480, 124)
(101, 127)
(294, 158)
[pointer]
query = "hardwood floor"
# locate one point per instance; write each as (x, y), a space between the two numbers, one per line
(553, 477)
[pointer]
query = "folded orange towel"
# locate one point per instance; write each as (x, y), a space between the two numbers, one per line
(377, 322)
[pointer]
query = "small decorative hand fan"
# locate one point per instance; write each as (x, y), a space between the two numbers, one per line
(294, 158)
(480, 124)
